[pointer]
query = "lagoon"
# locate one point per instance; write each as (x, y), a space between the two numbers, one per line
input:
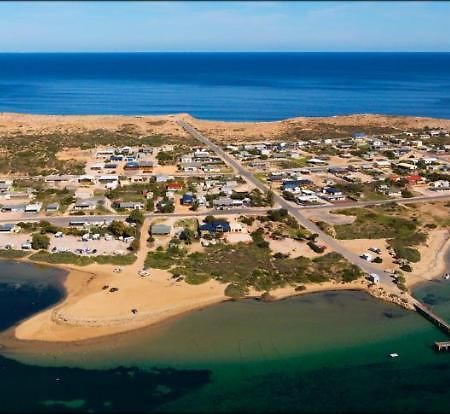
(322, 352)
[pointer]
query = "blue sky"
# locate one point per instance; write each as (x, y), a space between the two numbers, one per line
(224, 26)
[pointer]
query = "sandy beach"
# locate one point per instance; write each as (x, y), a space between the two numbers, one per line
(91, 310)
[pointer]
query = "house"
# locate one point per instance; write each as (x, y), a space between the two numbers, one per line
(146, 150)
(187, 199)
(33, 208)
(291, 184)
(415, 179)
(88, 204)
(9, 228)
(52, 208)
(130, 205)
(316, 161)
(174, 186)
(222, 202)
(160, 229)
(108, 179)
(131, 165)
(382, 164)
(440, 185)
(406, 166)
(97, 166)
(105, 153)
(307, 198)
(146, 166)
(13, 208)
(215, 227)
(359, 135)
(333, 194)
(86, 179)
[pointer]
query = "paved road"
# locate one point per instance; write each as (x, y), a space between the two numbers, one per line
(64, 220)
(294, 211)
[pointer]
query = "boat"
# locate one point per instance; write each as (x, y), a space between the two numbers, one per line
(446, 276)
(393, 355)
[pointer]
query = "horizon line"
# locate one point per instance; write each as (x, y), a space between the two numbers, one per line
(219, 52)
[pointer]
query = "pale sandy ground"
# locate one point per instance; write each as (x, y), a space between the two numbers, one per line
(89, 311)
(360, 246)
(292, 247)
(226, 131)
(432, 263)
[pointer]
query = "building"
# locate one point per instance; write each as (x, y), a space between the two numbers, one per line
(130, 205)
(215, 227)
(9, 228)
(187, 199)
(333, 194)
(33, 208)
(440, 185)
(14, 208)
(160, 229)
(82, 205)
(52, 208)
(222, 202)
(174, 186)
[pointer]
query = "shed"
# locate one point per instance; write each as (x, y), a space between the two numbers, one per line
(160, 229)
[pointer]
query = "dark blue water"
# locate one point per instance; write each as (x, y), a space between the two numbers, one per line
(26, 289)
(227, 86)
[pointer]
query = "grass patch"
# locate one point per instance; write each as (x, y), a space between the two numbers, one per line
(12, 253)
(249, 265)
(72, 258)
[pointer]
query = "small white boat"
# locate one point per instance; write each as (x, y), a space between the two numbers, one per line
(393, 355)
(446, 276)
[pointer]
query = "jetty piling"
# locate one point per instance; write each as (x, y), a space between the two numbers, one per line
(444, 326)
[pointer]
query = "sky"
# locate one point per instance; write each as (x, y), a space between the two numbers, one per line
(224, 26)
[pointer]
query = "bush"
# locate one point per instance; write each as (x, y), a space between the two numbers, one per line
(300, 288)
(235, 291)
(407, 253)
(40, 241)
(377, 259)
(315, 248)
(136, 216)
(406, 268)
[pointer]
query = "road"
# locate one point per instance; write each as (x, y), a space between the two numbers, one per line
(64, 220)
(365, 266)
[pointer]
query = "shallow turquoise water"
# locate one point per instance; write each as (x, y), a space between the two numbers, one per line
(324, 352)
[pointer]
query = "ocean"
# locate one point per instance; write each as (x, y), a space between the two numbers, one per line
(227, 86)
(321, 352)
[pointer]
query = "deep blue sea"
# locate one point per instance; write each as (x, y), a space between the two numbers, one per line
(227, 86)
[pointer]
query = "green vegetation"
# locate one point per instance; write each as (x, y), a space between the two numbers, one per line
(372, 224)
(40, 241)
(36, 153)
(251, 265)
(72, 258)
(407, 253)
(12, 253)
(164, 259)
(235, 291)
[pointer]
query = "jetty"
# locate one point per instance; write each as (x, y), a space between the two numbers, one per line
(436, 320)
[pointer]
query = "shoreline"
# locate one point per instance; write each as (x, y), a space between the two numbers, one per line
(49, 325)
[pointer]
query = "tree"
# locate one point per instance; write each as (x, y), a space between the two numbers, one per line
(150, 205)
(209, 219)
(136, 216)
(270, 198)
(187, 235)
(40, 241)
(117, 228)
